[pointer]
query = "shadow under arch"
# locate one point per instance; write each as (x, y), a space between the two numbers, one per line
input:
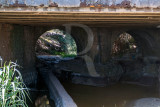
(144, 40)
(144, 66)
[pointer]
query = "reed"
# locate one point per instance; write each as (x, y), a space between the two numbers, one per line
(13, 92)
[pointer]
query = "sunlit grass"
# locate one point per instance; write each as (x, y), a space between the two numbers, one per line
(13, 91)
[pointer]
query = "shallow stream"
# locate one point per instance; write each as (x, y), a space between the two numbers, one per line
(118, 95)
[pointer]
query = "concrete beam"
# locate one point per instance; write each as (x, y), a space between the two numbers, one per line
(57, 92)
(87, 18)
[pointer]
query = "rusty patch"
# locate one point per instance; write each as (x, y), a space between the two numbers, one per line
(147, 7)
(112, 6)
(118, 6)
(53, 4)
(16, 4)
(134, 6)
(156, 9)
(92, 6)
(83, 4)
(126, 4)
(41, 5)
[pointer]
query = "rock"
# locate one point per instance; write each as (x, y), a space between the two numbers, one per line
(42, 102)
(146, 102)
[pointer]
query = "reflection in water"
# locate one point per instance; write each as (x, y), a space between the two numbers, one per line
(119, 95)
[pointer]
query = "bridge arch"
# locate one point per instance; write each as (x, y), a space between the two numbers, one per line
(143, 39)
(124, 45)
(56, 42)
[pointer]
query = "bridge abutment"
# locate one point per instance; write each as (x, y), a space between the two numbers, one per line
(17, 43)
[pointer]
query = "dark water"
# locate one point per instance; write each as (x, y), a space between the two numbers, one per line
(118, 95)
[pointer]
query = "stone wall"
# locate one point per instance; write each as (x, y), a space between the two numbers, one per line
(17, 43)
(5, 44)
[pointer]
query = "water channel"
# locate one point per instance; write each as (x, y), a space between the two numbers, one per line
(114, 95)
(118, 95)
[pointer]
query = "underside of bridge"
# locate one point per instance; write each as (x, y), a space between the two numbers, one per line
(93, 19)
(21, 29)
(95, 28)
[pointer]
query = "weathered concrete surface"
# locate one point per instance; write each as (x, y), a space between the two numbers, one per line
(61, 97)
(77, 3)
(5, 44)
(56, 90)
(98, 19)
(77, 72)
(13, 40)
(26, 23)
(20, 45)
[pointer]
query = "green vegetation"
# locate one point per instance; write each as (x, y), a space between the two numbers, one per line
(125, 44)
(57, 43)
(62, 54)
(13, 91)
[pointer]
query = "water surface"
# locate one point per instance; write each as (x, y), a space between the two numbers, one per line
(118, 95)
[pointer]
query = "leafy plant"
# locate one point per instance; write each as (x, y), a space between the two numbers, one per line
(123, 45)
(13, 91)
(57, 43)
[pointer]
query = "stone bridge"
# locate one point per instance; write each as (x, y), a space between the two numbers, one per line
(22, 22)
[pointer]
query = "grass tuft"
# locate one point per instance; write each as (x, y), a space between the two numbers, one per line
(13, 91)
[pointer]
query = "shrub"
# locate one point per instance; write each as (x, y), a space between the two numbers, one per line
(13, 91)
